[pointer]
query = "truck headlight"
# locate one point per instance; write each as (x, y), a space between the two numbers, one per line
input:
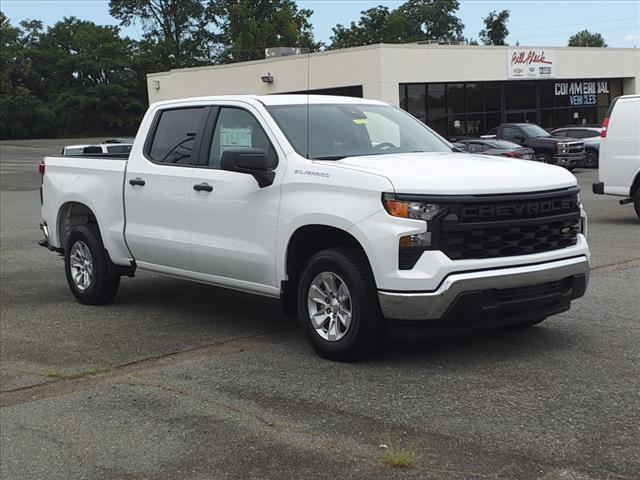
(563, 148)
(412, 246)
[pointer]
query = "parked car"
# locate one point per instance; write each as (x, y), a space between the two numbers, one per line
(361, 219)
(487, 146)
(590, 135)
(566, 152)
(103, 148)
(619, 172)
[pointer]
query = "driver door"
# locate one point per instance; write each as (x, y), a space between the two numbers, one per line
(234, 220)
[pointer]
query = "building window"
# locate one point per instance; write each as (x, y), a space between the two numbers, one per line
(473, 108)
(455, 98)
(475, 101)
(417, 101)
(520, 95)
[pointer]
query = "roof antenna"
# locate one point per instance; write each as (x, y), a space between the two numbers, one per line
(308, 86)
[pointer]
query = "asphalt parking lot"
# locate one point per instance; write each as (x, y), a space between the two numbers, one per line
(176, 380)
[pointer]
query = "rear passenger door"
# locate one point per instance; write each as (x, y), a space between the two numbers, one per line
(157, 190)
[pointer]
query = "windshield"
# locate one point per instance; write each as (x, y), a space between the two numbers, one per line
(344, 130)
(533, 130)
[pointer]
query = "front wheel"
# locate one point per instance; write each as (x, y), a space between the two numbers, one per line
(544, 158)
(636, 203)
(87, 267)
(338, 305)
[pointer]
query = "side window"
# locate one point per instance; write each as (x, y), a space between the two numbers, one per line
(590, 133)
(237, 129)
(509, 133)
(476, 148)
(174, 136)
(560, 133)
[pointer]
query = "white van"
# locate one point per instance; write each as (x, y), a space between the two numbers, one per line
(619, 172)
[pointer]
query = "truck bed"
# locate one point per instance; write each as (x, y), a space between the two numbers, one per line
(93, 180)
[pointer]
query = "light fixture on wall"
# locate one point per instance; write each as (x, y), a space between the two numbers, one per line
(268, 78)
(156, 84)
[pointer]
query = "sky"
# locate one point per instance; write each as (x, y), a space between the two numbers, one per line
(532, 23)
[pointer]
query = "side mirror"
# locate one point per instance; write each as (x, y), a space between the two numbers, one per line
(252, 161)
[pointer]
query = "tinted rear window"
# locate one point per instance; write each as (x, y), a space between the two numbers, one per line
(175, 134)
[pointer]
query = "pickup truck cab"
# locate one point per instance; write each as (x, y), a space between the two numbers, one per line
(350, 211)
(564, 152)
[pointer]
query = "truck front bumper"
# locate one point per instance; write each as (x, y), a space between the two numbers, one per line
(492, 297)
(568, 160)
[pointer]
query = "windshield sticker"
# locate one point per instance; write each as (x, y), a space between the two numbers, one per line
(360, 121)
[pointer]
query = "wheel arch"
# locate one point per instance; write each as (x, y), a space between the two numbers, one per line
(70, 215)
(635, 185)
(306, 241)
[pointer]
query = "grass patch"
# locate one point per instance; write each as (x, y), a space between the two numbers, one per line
(399, 457)
(54, 374)
(93, 371)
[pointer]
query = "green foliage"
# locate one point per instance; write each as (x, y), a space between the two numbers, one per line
(247, 27)
(413, 21)
(495, 28)
(585, 38)
(178, 28)
(74, 79)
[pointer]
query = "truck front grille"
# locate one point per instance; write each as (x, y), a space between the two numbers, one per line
(489, 227)
(575, 147)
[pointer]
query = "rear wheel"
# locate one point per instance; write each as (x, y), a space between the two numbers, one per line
(636, 203)
(338, 305)
(591, 159)
(89, 275)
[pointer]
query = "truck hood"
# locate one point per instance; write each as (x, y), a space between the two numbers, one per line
(548, 141)
(459, 173)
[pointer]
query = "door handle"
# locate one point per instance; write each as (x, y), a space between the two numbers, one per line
(203, 187)
(137, 181)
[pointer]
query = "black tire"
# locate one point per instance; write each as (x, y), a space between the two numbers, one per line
(104, 283)
(545, 158)
(591, 158)
(636, 203)
(366, 330)
(528, 323)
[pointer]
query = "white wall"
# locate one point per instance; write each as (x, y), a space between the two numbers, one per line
(380, 68)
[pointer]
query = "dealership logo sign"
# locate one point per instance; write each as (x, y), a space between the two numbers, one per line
(581, 93)
(531, 63)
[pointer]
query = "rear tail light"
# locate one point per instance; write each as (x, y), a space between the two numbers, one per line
(41, 172)
(605, 124)
(511, 154)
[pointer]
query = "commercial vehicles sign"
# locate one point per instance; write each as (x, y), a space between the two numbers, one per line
(531, 63)
(581, 93)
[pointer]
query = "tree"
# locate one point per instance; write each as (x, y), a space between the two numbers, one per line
(247, 27)
(180, 29)
(585, 38)
(495, 28)
(413, 21)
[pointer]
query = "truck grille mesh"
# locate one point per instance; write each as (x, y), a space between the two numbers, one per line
(487, 229)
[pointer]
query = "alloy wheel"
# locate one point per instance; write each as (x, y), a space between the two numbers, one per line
(329, 304)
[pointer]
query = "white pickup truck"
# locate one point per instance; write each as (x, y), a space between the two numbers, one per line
(351, 211)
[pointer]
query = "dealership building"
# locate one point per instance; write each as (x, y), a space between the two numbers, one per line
(455, 89)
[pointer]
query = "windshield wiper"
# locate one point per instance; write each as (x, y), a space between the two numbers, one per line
(329, 157)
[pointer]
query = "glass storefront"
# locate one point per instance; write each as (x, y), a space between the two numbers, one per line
(474, 108)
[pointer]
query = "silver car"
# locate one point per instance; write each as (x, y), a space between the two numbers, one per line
(590, 134)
